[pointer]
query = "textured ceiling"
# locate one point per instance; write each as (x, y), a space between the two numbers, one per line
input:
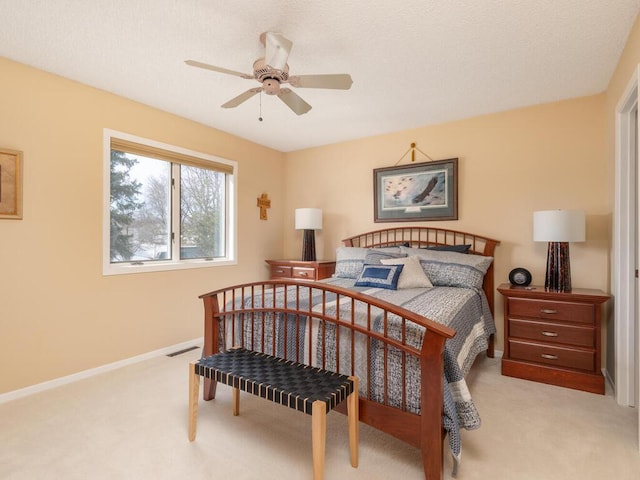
(413, 62)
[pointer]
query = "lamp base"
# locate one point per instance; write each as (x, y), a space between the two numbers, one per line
(558, 278)
(309, 246)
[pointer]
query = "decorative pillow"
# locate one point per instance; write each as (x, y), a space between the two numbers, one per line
(350, 260)
(452, 269)
(449, 248)
(380, 276)
(374, 256)
(413, 275)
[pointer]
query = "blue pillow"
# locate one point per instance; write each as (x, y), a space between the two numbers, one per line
(449, 248)
(379, 276)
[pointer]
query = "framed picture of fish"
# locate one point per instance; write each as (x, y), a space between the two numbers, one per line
(418, 192)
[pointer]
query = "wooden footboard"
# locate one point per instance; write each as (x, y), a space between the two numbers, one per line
(277, 318)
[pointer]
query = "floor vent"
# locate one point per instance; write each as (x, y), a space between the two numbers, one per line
(180, 352)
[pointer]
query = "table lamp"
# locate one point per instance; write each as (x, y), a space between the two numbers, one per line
(558, 227)
(309, 220)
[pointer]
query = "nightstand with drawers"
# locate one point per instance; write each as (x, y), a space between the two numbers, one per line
(301, 270)
(553, 337)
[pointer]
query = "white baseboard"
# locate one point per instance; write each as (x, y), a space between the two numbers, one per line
(40, 387)
(610, 380)
(498, 353)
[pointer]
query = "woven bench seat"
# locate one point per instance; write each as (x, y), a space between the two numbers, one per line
(310, 390)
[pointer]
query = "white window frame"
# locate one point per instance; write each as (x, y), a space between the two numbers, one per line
(231, 226)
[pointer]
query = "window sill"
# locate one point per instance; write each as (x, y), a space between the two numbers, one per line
(130, 268)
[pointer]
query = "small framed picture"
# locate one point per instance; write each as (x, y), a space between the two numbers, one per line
(10, 183)
(422, 191)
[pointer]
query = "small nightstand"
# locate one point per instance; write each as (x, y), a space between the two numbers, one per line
(553, 337)
(300, 270)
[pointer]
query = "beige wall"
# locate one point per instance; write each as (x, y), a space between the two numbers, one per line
(510, 164)
(58, 313)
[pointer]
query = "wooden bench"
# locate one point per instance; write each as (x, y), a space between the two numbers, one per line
(313, 391)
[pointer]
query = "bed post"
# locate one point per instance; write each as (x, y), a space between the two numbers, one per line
(488, 287)
(432, 394)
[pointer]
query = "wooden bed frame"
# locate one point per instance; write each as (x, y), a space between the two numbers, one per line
(425, 430)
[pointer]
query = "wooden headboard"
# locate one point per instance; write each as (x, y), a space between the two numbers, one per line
(418, 236)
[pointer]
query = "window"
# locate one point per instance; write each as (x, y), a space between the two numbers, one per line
(165, 207)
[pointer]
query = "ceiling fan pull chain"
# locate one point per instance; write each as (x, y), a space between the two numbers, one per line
(260, 117)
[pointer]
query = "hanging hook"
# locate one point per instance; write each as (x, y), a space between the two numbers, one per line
(412, 148)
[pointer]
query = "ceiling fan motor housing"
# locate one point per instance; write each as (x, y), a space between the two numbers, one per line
(262, 71)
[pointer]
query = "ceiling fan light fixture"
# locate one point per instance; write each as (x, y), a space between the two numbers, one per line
(271, 86)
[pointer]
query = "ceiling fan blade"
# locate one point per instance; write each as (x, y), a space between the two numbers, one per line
(243, 97)
(206, 66)
(338, 81)
(277, 49)
(293, 101)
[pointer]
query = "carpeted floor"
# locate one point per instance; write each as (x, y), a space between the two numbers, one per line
(132, 424)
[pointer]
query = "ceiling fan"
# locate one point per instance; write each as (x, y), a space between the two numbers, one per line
(273, 71)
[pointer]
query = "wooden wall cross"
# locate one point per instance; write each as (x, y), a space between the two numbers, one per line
(264, 203)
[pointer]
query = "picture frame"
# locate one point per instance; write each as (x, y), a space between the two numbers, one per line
(425, 191)
(11, 184)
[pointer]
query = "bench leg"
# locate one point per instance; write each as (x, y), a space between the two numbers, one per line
(352, 416)
(209, 390)
(318, 437)
(236, 401)
(194, 388)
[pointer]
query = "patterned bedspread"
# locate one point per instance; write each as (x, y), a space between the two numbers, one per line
(464, 310)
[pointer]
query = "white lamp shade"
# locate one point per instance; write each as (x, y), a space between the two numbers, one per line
(559, 226)
(308, 219)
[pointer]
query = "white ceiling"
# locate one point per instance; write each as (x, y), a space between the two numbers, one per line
(413, 62)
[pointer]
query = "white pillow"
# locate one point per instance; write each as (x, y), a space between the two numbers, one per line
(413, 275)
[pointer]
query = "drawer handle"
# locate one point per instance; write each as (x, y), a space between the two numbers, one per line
(549, 334)
(548, 311)
(549, 357)
(279, 271)
(304, 274)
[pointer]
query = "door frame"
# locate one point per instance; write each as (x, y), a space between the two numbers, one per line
(624, 250)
